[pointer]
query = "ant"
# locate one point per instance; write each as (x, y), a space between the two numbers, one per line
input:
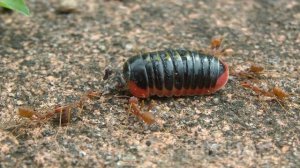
(147, 117)
(63, 111)
(275, 92)
(253, 72)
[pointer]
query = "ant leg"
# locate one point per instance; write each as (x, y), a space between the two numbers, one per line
(60, 117)
(143, 104)
(64, 114)
(151, 105)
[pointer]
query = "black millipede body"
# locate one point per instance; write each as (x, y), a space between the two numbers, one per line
(174, 72)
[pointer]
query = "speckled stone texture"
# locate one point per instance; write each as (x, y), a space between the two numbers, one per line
(53, 56)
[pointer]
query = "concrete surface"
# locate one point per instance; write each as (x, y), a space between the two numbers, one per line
(57, 54)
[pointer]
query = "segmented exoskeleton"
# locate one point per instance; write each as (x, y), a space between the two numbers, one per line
(177, 72)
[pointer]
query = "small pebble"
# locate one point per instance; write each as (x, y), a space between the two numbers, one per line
(82, 153)
(148, 143)
(128, 46)
(67, 7)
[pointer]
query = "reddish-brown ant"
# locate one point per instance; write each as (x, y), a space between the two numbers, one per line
(274, 92)
(147, 117)
(63, 111)
(216, 48)
(257, 89)
(252, 73)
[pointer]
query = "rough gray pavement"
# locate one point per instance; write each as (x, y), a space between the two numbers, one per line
(57, 54)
